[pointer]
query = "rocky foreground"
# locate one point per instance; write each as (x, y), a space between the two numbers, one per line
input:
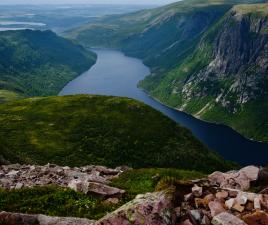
(219, 199)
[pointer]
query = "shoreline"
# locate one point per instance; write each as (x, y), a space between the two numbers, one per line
(205, 121)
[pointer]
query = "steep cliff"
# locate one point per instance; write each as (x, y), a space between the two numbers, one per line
(226, 79)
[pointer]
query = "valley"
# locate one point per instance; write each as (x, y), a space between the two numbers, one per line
(118, 75)
(120, 114)
(190, 67)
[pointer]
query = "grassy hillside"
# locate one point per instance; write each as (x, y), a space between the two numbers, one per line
(112, 131)
(38, 63)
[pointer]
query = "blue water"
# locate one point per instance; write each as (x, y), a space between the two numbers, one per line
(116, 74)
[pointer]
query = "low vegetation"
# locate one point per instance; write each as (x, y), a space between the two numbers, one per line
(53, 201)
(140, 181)
(58, 201)
(86, 129)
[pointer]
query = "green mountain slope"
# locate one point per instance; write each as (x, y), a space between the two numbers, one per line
(180, 40)
(159, 36)
(226, 78)
(38, 63)
(112, 131)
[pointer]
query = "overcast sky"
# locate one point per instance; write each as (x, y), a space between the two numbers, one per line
(155, 2)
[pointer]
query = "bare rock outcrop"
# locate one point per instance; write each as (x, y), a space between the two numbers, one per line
(151, 208)
(87, 179)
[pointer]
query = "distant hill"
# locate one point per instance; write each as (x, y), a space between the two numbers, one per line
(208, 58)
(38, 63)
(85, 129)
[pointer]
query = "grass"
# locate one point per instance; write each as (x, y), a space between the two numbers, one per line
(54, 201)
(140, 181)
(86, 129)
(6, 96)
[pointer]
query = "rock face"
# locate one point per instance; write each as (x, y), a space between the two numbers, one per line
(151, 208)
(226, 77)
(88, 179)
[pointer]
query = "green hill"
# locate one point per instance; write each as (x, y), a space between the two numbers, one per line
(84, 129)
(38, 63)
(208, 58)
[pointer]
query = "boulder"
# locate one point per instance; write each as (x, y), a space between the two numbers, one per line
(237, 207)
(17, 219)
(103, 190)
(229, 203)
(25, 219)
(240, 180)
(197, 191)
(48, 220)
(256, 218)
(216, 207)
(151, 208)
(225, 218)
(257, 203)
(222, 194)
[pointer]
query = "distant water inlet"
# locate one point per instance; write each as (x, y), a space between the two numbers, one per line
(116, 74)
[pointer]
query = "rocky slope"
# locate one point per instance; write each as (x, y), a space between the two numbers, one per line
(218, 199)
(38, 63)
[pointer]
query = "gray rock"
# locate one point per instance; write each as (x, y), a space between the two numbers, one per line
(25, 219)
(47, 220)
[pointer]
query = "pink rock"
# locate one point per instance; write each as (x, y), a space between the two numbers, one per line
(229, 203)
(225, 218)
(197, 191)
(151, 208)
(222, 195)
(235, 179)
(241, 198)
(215, 207)
(252, 172)
(257, 203)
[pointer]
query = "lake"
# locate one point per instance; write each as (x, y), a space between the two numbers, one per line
(116, 74)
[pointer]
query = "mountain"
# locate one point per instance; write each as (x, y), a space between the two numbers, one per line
(226, 78)
(38, 63)
(207, 58)
(85, 129)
